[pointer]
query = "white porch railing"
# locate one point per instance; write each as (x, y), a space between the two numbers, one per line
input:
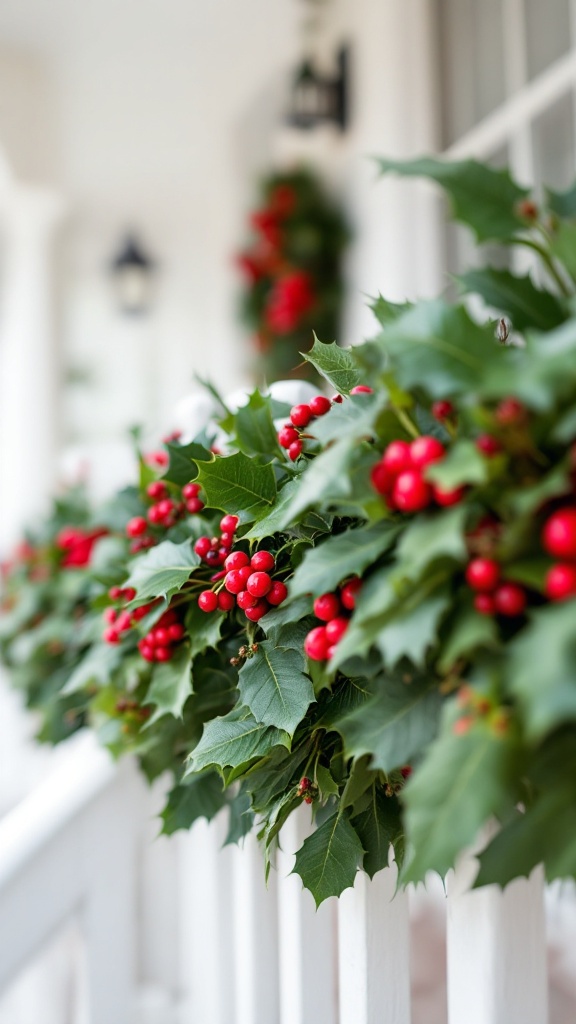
(247, 954)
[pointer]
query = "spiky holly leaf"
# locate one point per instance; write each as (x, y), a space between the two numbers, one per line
(199, 797)
(562, 203)
(346, 554)
(255, 430)
(386, 311)
(239, 485)
(542, 668)
(273, 686)
(163, 570)
(272, 522)
(518, 297)
(379, 827)
(463, 465)
(324, 481)
(182, 466)
(466, 633)
(171, 685)
(431, 537)
(329, 859)
(235, 739)
(357, 417)
(336, 364)
(97, 666)
(482, 197)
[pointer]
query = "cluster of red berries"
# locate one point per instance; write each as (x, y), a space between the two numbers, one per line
(399, 476)
(77, 545)
(494, 595)
(159, 642)
(120, 620)
(214, 550)
(247, 584)
(307, 790)
(559, 541)
(291, 436)
(331, 608)
(476, 707)
(163, 512)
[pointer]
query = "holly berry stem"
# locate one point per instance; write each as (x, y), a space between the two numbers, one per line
(405, 420)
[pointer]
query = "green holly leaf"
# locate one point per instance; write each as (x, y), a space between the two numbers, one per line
(525, 501)
(163, 570)
(97, 666)
(336, 364)
(482, 197)
(385, 311)
(563, 247)
(379, 826)
(345, 554)
(467, 632)
(431, 537)
(326, 784)
(272, 522)
(518, 297)
(241, 818)
(325, 480)
(234, 740)
(203, 630)
(356, 418)
(171, 685)
(329, 859)
(462, 782)
(289, 612)
(238, 484)
(541, 669)
(255, 430)
(182, 467)
(462, 465)
(199, 797)
(273, 686)
(541, 374)
(563, 204)
(395, 724)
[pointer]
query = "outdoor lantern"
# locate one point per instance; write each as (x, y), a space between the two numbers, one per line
(132, 271)
(319, 99)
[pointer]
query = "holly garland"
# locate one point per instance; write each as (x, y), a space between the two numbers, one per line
(292, 272)
(365, 603)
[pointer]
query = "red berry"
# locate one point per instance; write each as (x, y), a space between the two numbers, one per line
(245, 600)
(262, 561)
(202, 546)
(335, 629)
(560, 582)
(141, 612)
(226, 601)
(258, 584)
(278, 593)
(160, 637)
(175, 632)
(111, 635)
(155, 516)
(229, 523)
(136, 527)
(510, 412)
(162, 653)
(129, 593)
(442, 410)
(236, 560)
(287, 436)
(406, 772)
(168, 618)
(301, 415)
(447, 498)
(397, 458)
(362, 389)
(425, 450)
(463, 725)
(123, 622)
(156, 490)
(190, 490)
(115, 593)
(411, 492)
(226, 539)
(485, 604)
(235, 581)
(316, 644)
(510, 599)
(295, 450)
(110, 616)
(349, 592)
(338, 399)
(147, 652)
(194, 505)
(488, 445)
(208, 601)
(327, 607)
(320, 405)
(257, 611)
(165, 507)
(483, 574)
(559, 533)
(381, 478)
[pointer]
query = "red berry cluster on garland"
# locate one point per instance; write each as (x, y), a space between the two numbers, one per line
(291, 436)
(247, 585)
(160, 641)
(331, 608)
(77, 545)
(307, 790)
(494, 595)
(214, 550)
(120, 620)
(559, 541)
(164, 512)
(400, 476)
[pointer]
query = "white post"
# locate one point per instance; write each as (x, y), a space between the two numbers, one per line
(307, 939)
(28, 364)
(255, 938)
(374, 954)
(496, 950)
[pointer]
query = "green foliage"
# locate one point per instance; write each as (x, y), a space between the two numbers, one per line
(238, 485)
(329, 859)
(162, 571)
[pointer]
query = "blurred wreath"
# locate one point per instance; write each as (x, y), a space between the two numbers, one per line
(292, 271)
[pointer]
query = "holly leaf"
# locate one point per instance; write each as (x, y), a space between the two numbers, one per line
(255, 430)
(336, 364)
(463, 464)
(163, 570)
(379, 826)
(385, 311)
(345, 554)
(428, 538)
(326, 784)
(199, 797)
(563, 247)
(468, 631)
(272, 522)
(541, 374)
(203, 630)
(356, 418)
(288, 612)
(482, 197)
(542, 668)
(273, 686)
(518, 297)
(233, 740)
(182, 466)
(171, 685)
(326, 479)
(329, 859)
(97, 666)
(241, 818)
(395, 725)
(239, 485)
(462, 782)
(562, 203)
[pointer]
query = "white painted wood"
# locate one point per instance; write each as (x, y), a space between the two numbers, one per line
(307, 938)
(374, 952)
(496, 950)
(255, 938)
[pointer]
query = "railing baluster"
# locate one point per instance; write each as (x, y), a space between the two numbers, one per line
(255, 938)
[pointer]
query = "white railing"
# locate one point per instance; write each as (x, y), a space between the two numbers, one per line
(243, 954)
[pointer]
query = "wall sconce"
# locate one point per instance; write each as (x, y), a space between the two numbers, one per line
(132, 271)
(318, 99)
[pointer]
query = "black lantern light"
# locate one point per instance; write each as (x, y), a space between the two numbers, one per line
(132, 271)
(319, 99)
